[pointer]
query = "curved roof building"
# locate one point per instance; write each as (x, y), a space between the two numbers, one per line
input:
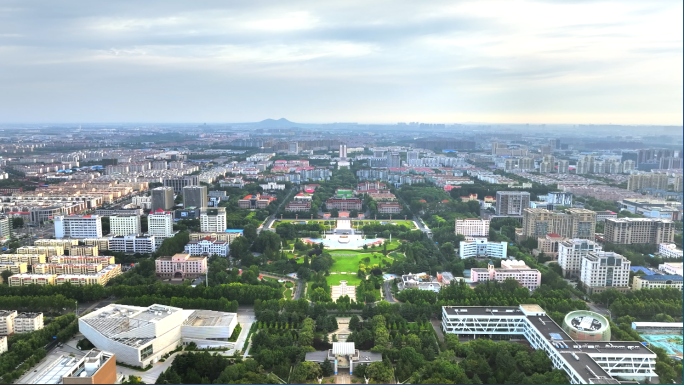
(584, 325)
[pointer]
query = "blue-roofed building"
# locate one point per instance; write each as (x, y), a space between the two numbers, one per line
(657, 282)
(636, 269)
(235, 231)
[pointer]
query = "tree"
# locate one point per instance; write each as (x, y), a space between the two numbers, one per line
(5, 276)
(354, 323)
(380, 372)
(327, 368)
(17, 222)
(132, 380)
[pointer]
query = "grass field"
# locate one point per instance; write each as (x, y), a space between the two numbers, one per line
(334, 279)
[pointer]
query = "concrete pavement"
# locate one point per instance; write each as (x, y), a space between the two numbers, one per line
(149, 376)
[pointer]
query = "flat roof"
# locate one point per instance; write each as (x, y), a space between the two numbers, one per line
(661, 278)
(58, 369)
(483, 310)
(209, 318)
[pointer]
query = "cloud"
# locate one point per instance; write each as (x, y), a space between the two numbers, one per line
(381, 61)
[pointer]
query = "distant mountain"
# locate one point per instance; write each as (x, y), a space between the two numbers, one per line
(282, 122)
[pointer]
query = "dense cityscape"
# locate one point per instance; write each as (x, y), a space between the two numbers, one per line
(279, 252)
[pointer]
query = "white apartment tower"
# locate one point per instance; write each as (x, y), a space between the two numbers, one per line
(78, 226)
(472, 227)
(343, 150)
(124, 224)
(603, 270)
(213, 220)
(570, 255)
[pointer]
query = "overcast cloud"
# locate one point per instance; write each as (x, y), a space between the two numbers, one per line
(324, 61)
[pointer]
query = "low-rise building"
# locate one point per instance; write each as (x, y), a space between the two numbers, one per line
(134, 243)
(32, 279)
(66, 244)
(255, 202)
(28, 322)
(208, 246)
(669, 250)
(85, 250)
(140, 336)
(673, 268)
(601, 216)
(472, 227)
(14, 267)
(229, 235)
(101, 243)
(100, 278)
(548, 244)
(29, 259)
(602, 270)
(96, 367)
(298, 206)
(104, 260)
(517, 270)
(657, 282)
(47, 251)
(481, 248)
(180, 266)
(346, 204)
(422, 281)
(65, 268)
(7, 322)
(389, 208)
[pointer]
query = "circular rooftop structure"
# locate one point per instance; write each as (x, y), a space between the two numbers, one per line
(584, 325)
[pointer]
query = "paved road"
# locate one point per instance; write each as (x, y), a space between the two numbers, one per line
(298, 283)
(387, 285)
(437, 325)
(596, 308)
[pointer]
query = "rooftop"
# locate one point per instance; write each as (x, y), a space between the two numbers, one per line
(209, 318)
(661, 278)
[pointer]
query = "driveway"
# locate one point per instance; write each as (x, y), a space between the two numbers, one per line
(437, 325)
(387, 286)
(150, 376)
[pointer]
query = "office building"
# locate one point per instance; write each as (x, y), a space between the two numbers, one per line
(160, 224)
(181, 266)
(141, 336)
(481, 248)
(345, 204)
(548, 244)
(133, 243)
(28, 322)
(669, 250)
(96, 367)
(7, 322)
(389, 208)
(178, 183)
(5, 227)
(672, 268)
(638, 230)
(657, 282)
(187, 213)
(573, 223)
(213, 220)
(78, 226)
(571, 252)
(510, 269)
(472, 227)
(343, 150)
(144, 202)
(124, 225)
(162, 199)
(644, 181)
(602, 270)
(512, 203)
(208, 247)
(602, 363)
(195, 196)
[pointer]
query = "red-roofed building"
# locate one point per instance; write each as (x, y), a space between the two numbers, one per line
(254, 202)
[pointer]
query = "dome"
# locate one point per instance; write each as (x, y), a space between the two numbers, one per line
(584, 325)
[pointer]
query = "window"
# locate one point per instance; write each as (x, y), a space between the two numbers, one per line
(146, 352)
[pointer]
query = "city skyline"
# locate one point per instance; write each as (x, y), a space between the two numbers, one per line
(449, 62)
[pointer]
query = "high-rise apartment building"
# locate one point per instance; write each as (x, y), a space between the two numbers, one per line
(124, 224)
(573, 223)
(512, 202)
(644, 181)
(570, 253)
(178, 183)
(678, 183)
(160, 224)
(638, 230)
(195, 196)
(394, 160)
(603, 270)
(5, 227)
(162, 199)
(78, 226)
(412, 157)
(563, 166)
(213, 220)
(472, 227)
(343, 150)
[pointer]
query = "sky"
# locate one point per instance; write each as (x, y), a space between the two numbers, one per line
(554, 61)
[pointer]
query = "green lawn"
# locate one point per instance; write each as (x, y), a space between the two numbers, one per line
(334, 279)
